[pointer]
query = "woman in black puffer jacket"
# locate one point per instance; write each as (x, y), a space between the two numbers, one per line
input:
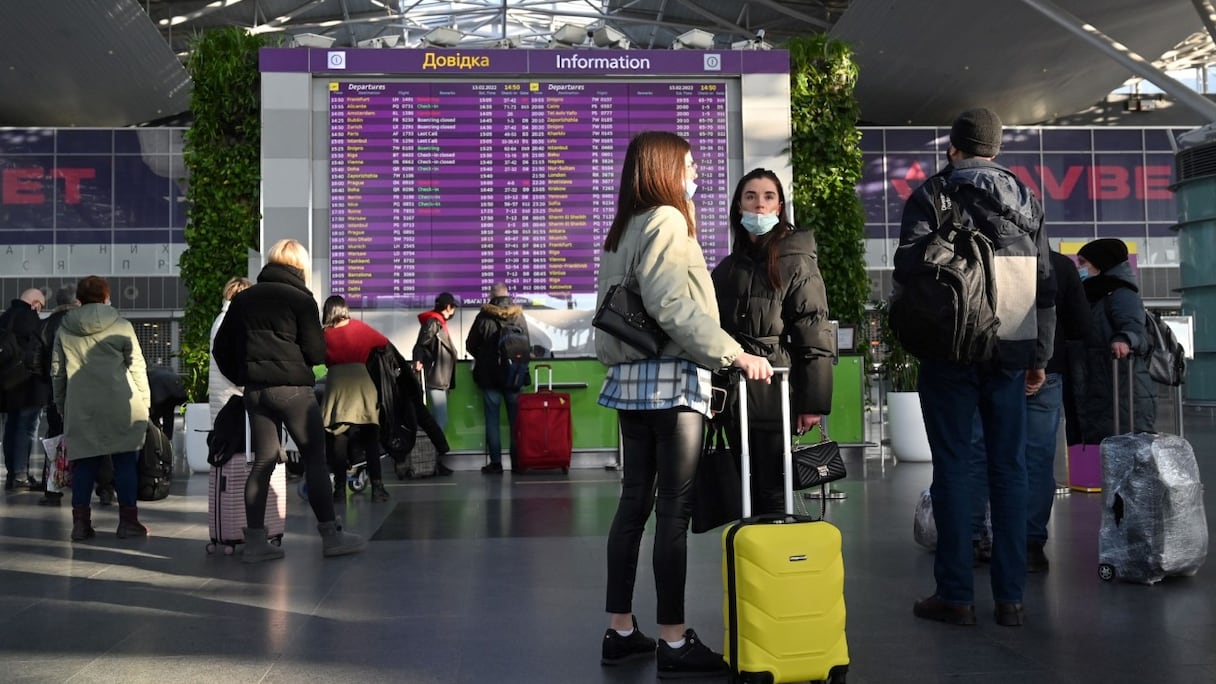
(771, 299)
(269, 341)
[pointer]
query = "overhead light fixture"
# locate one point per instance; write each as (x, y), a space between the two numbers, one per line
(507, 43)
(570, 35)
(313, 40)
(608, 37)
(751, 44)
(442, 36)
(380, 42)
(693, 39)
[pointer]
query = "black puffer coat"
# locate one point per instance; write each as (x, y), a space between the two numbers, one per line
(1116, 313)
(789, 327)
(271, 335)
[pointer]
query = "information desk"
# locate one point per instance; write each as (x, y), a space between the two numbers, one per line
(595, 427)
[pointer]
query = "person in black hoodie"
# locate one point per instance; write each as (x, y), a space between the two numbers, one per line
(23, 400)
(269, 342)
(772, 300)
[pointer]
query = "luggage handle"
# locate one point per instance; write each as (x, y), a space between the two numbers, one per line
(1131, 392)
(536, 376)
(787, 452)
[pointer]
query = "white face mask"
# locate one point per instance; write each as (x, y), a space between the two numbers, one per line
(759, 224)
(690, 188)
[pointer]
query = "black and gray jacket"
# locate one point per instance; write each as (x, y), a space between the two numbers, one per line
(1010, 215)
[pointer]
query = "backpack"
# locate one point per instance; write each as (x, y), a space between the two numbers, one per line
(1166, 357)
(946, 307)
(514, 353)
(13, 370)
(155, 465)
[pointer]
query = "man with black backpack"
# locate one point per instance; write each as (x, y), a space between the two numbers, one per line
(978, 224)
(501, 349)
(24, 391)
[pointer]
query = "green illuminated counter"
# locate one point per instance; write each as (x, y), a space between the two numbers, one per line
(595, 427)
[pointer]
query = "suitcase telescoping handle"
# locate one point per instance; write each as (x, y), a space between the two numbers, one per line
(1131, 392)
(783, 375)
(536, 376)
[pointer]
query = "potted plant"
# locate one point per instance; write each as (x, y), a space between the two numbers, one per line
(905, 421)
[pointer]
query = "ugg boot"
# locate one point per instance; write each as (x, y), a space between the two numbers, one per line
(379, 493)
(335, 542)
(128, 523)
(257, 548)
(82, 523)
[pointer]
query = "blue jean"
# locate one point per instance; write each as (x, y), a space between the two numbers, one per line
(437, 402)
(126, 478)
(1043, 411)
(20, 429)
(493, 399)
(949, 395)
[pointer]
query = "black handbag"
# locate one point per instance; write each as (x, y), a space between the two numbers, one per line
(717, 490)
(817, 464)
(623, 316)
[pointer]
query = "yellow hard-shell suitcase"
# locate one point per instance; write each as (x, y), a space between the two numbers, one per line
(784, 579)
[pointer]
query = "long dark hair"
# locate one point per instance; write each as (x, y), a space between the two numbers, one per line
(652, 176)
(768, 244)
(334, 311)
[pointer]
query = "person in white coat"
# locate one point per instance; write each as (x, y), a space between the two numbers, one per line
(220, 388)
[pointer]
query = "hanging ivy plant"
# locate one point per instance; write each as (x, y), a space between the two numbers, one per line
(221, 155)
(827, 162)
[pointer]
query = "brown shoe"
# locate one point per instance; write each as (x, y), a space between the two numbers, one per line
(934, 608)
(1008, 614)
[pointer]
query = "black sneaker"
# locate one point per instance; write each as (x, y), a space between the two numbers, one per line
(617, 649)
(693, 659)
(492, 469)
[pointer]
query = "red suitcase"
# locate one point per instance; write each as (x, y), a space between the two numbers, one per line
(544, 435)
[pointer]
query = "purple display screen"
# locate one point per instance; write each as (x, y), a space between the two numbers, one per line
(455, 186)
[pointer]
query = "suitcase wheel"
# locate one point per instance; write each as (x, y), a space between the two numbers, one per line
(211, 547)
(1106, 571)
(359, 482)
(229, 549)
(565, 471)
(277, 541)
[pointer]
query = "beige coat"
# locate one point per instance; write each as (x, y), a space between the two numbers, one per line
(671, 276)
(99, 383)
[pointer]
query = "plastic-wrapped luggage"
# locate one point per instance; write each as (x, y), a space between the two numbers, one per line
(226, 489)
(1153, 521)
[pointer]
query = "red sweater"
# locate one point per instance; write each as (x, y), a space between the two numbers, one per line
(351, 343)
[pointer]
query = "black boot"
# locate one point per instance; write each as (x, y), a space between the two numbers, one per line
(379, 493)
(340, 490)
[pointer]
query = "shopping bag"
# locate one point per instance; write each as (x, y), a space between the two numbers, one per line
(60, 476)
(717, 490)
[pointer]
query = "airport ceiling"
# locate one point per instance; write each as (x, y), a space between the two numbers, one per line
(119, 62)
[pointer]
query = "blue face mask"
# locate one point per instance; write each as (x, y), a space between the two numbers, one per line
(1083, 272)
(759, 224)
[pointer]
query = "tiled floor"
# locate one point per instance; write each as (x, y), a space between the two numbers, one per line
(500, 579)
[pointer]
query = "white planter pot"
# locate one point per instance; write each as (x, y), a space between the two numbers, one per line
(909, 440)
(198, 426)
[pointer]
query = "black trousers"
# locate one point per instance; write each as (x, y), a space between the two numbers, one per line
(295, 408)
(660, 453)
(356, 443)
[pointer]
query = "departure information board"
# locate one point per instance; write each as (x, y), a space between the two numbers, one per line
(454, 186)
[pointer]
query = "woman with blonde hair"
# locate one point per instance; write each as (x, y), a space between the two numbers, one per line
(268, 343)
(661, 402)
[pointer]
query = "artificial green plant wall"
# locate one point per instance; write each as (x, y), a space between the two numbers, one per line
(827, 167)
(222, 149)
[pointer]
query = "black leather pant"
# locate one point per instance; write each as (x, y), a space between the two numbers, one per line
(296, 409)
(660, 453)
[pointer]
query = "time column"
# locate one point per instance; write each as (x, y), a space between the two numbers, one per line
(337, 188)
